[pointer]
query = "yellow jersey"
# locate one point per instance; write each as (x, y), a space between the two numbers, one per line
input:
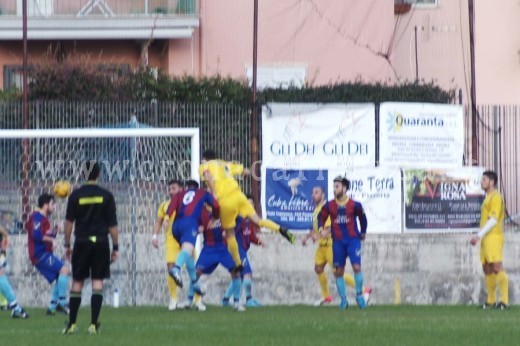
(162, 212)
(315, 215)
(493, 206)
(223, 173)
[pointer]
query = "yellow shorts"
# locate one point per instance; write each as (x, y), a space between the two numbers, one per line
(172, 248)
(491, 248)
(231, 206)
(323, 255)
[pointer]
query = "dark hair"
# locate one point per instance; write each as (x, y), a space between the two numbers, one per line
(209, 155)
(94, 169)
(344, 181)
(192, 184)
(175, 182)
(491, 176)
(249, 196)
(44, 198)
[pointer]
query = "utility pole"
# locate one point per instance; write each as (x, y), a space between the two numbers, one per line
(474, 140)
(254, 118)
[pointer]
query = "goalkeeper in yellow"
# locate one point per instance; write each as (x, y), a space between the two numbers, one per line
(324, 250)
(219, 176)
(492, 235)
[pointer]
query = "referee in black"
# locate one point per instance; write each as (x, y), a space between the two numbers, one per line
(92, 210)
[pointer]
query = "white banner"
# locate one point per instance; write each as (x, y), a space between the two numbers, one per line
(300, 136)
(379, 191)
(421, 135)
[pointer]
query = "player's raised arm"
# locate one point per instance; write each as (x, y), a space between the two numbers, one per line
(113, 228)
(323, 216)
(253, 238)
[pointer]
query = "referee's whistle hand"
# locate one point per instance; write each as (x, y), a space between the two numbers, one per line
(114, 256)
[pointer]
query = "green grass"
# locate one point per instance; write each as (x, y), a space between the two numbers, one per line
(297, 325)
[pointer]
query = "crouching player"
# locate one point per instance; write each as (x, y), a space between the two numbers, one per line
(215, 252)
(245, 233)
(346, 237)
(41, 242)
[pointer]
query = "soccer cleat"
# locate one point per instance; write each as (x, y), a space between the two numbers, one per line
(70, 329)
(19, 313)
(225, 302)
(173, 304)
(3, 259)
(323, 301)
(50, 312)
(239, 308)
(366, 294)
(252, 303)
(361, 301)
(199, 306)
(502, 306)
(93, 329)
(197, 289)
(343, 305)
(287, 235)
(176, 276)
(487, 306)
(63, 308)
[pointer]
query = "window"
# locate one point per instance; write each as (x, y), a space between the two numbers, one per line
(278, 76)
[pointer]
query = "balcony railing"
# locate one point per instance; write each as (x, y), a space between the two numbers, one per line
(100, 8)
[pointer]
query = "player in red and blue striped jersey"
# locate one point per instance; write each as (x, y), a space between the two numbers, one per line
(185, 210)
(245, 233)
(346, 237)
(41, 243)
(215, 252)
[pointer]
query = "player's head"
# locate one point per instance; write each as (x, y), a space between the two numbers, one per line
(174, 186)
(318, 194)
(93, 169)
(341, 186)
(46, 203)
(192, 184)
(489, 180)
(209, 155)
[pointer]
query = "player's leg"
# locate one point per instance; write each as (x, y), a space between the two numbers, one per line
(354, 253)
(226, 260)
(63, 285)
(100, 270)
(189, 231)
(228, 213)
(339, 254)
(54, 270)
(244, 262)
(490, 276)
(247, 282)
(496, 258)
(5, 288)
(173, 249)
(320, 261)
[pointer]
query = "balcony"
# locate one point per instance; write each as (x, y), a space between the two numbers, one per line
(99, 19)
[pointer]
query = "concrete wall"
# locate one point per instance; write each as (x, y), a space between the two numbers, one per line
(431, 269)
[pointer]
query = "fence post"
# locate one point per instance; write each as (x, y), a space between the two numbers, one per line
(496, 143)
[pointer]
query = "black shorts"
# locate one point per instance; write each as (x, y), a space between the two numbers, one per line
(91, 260)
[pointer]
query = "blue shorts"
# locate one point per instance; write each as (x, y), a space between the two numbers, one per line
(186, 230)
(49, 266)
(341, 249)
(211, 256)
(245, 262)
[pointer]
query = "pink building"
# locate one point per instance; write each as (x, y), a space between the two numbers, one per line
(309, 41)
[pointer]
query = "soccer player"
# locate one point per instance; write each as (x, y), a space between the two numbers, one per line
(245, 233)
(172, 246)
(324, 251)
(5, 287)
(346, 237)
(492, 235)
(186, 209)
(219, 177)
(215, 252)
(92, 211)
(41, 243)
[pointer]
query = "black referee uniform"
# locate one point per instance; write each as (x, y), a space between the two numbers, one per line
(93, 210)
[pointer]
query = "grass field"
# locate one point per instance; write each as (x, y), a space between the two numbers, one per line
(295, 325)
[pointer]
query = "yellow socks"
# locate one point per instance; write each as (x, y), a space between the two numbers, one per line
(233, 249)
(503, 286)
(491, 285)
(172, 287)
(273, 226)
(322, 278)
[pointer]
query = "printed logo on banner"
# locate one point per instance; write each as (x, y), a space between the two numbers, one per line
(396, 121)
(288, 196)
(440, 199)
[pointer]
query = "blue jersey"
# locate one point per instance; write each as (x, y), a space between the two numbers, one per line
(245, 233)
(38, 226)
(343, 217)
(190, 204)
(213, 232)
